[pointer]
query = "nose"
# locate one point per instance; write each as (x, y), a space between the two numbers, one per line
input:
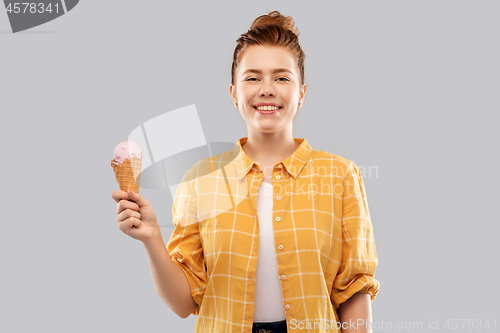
(267, 89)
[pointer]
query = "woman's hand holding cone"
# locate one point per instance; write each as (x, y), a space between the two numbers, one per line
(135, 216)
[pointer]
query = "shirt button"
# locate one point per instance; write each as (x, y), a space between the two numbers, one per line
(287, 306)
(278, 177)
(280, 247)
(278, 218)
(283, 277)
(278, 198)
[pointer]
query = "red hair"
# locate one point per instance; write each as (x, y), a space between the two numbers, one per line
(272, 29)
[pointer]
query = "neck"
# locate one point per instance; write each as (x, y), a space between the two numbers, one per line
(269, 147)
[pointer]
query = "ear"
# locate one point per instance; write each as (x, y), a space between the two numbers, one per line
(232, 92)
(302, 94)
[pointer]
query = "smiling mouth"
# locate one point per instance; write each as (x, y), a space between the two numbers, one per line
(267, 109)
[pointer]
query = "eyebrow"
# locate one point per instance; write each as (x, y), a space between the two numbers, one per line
(277, 70)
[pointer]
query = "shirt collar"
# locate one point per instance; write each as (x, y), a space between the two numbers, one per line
(293, 164)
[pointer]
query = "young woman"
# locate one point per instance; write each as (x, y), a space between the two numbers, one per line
(296, 251)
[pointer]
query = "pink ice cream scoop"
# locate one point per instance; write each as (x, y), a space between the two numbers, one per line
(126, 150)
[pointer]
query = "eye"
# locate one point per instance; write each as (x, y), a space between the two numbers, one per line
(284, 79)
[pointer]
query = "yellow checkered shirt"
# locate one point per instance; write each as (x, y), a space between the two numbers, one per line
(323, 234)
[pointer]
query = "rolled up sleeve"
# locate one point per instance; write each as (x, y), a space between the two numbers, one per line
(184, 245)
(359, 255)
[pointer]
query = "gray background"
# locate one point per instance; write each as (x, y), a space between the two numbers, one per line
(410, 87)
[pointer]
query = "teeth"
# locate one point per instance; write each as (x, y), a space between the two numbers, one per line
(267, 108)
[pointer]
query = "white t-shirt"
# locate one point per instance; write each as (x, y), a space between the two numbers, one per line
(268, 296)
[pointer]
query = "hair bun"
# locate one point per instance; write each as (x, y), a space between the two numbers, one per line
(275, 17)
(272, 29)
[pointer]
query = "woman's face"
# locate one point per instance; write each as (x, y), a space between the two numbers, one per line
(267, 75)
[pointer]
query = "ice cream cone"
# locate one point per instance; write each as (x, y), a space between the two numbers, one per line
(128, 173)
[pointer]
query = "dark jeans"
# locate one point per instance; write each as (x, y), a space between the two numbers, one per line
(270, 327)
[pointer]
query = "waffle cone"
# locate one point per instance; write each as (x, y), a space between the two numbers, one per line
(128, 173)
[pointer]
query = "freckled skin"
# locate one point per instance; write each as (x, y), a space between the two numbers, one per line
(280, 88)
(270, 138)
